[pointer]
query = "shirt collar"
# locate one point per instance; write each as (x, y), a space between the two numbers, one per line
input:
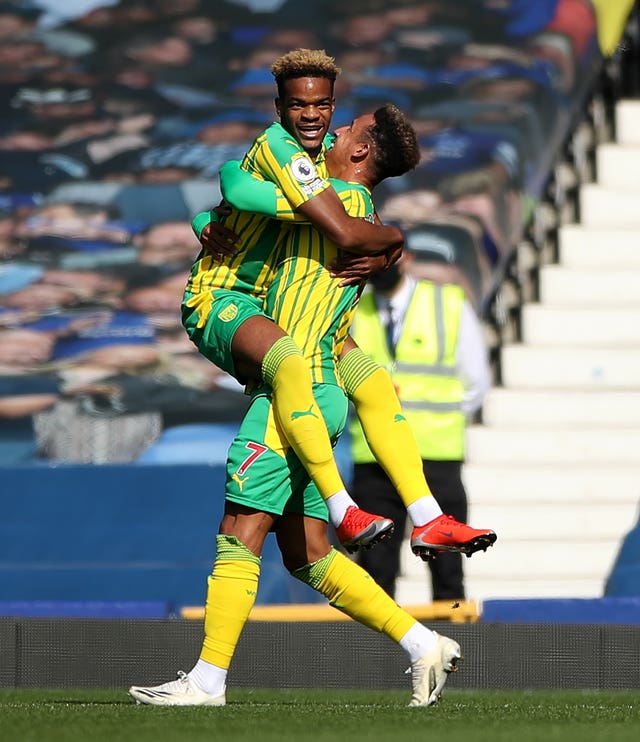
(400, 299)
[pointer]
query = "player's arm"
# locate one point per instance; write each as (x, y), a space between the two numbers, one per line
(281, 160)
(214, 237)
(353, 234)
(353, 268)
(245, 192)
(324, 210)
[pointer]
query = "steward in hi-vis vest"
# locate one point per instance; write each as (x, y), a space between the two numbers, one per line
(423, 368)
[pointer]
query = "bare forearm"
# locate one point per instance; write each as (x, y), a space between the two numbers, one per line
(355, 235)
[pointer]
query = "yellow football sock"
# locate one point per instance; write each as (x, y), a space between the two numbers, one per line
(286, 370)
(231, 593)
(353, 591)
(385, 427)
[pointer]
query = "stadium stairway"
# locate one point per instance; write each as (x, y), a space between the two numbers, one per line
(554, 467)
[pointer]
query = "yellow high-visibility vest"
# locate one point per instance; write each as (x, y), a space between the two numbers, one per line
(423, 371)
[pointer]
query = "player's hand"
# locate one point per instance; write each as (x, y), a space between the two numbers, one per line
(393, 255)
(218, 240)
(353, 269)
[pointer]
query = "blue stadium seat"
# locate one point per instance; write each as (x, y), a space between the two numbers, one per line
(624, 580)
(17, 442)
(201, 443)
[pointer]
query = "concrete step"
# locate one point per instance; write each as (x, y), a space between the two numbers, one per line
(521, 587)
(520, 568)
(586, 559)
(531, 586)
(609, 207)
(415, 590)
(613, 447)
(599, 247)
(563, 286)
(581, 326)
(628, 121)
(548, 408)
(556, 522)
(547, 367)
(618, 166)
(542, 484)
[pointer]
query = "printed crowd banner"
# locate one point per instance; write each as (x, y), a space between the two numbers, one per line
(110, 146)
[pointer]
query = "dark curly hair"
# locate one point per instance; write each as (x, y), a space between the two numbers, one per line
(395, 144)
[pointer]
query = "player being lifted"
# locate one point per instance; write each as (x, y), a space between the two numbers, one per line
(250, 346)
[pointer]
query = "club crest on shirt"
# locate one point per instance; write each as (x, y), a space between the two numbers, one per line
(228, 313)
(304, 171)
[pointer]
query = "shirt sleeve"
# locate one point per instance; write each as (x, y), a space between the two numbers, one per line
(280, 159)
(200, 221)
(245, 192)
(472, 360)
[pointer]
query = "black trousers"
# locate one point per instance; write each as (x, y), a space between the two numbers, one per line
(373, 491)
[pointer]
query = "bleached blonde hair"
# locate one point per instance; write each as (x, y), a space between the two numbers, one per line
(304, 63)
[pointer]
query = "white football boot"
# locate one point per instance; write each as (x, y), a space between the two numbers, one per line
(430, 673)
(180, 692)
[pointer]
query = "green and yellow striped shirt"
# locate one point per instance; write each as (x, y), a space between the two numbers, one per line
(305, 300)
(274, 156)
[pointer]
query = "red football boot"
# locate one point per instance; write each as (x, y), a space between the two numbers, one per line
(361, 530)
(445, 533)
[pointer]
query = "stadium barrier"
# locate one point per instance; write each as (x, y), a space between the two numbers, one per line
(439, 610)
(563, 610)
(114, 654)
(118, 533)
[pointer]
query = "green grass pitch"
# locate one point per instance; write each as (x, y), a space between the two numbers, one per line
(323, 716)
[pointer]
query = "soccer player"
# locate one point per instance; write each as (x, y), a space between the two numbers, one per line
(301, 296)
(222, 306)
(268, 489)
(368, 385)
